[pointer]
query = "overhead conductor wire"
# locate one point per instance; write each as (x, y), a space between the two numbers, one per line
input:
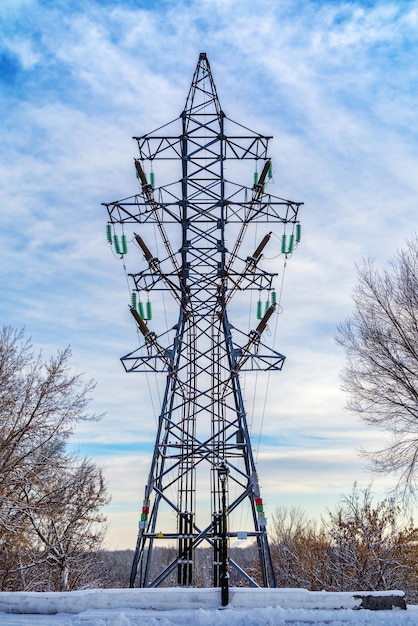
(279, 311)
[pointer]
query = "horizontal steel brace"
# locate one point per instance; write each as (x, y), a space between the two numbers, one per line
(262, 362)
(254, 362)
(145, 363)
(209, 535)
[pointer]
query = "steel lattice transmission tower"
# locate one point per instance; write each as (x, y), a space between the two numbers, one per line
(203, 448)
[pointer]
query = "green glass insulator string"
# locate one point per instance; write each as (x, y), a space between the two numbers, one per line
(116, 244)
(288, 249)
(121, 247)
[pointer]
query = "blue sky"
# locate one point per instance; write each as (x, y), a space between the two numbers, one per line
(335, 83)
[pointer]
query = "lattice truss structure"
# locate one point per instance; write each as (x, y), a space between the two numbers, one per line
(202, 431)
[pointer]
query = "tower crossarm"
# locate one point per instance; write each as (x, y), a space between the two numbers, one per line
(262, 208)
(156, 147)
(269, 209)
(254, 340)
(158, 358)
(148, 280)
(253, 355)
(251, 278)
(151, 341)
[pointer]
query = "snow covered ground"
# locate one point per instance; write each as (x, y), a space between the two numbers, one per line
(214, 617)
(194, 607)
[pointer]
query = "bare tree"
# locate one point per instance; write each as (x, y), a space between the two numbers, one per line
(65, 523)
(381, 373)
(371, 546)
(362, 545)
(50, 500)
(300, 550)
